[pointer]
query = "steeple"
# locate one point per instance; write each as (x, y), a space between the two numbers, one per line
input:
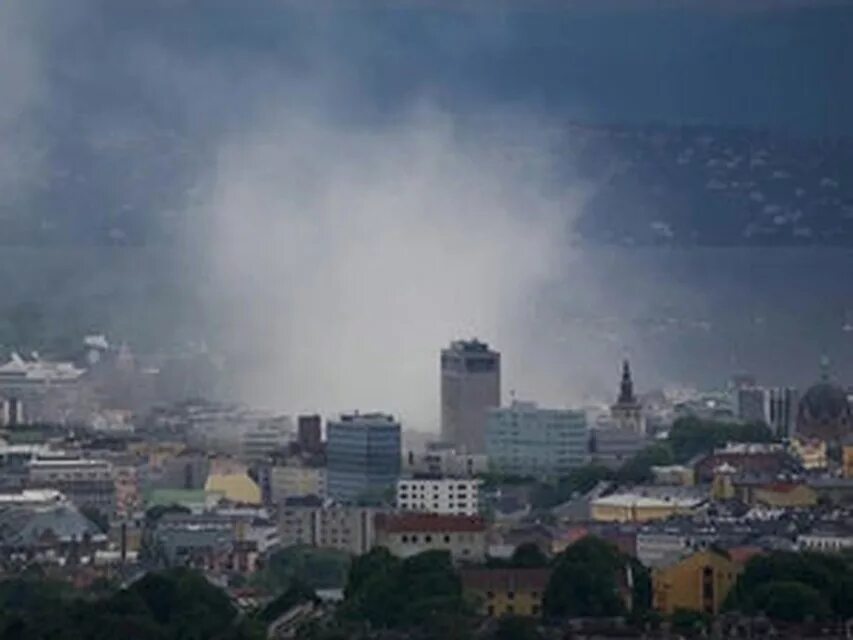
(626, 388)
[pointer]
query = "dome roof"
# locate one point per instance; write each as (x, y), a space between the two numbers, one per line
(824, 412)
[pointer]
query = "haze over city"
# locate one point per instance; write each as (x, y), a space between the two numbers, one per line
(426, 319)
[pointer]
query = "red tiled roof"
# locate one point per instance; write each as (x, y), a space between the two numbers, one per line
(780, 487)
(432, 522)
(481, 579)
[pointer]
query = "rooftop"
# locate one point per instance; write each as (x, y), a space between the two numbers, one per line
(500, 579)
(432, 522)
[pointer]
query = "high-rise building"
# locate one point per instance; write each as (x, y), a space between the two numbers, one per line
(753, 404)
(363, 455)
(783, 403)
(309, 434)
(627, 413)
(470, 386)
(524, 440)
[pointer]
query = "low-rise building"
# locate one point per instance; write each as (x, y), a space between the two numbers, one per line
(643, 505)
(612, 447)
(306, 521)
(677, 475)
(499, 592)
(775, 494)
(456, 496)
(235, 487)
(700, 582)
(412, 533)
(85, 482)
(810, 452)
(826, 539)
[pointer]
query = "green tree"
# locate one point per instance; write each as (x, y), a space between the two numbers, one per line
(790, 601)
(528, 555)
(587, 581)
(691, 436)
(828, 575)
(517, 628)
(315, 568)
(638, 469)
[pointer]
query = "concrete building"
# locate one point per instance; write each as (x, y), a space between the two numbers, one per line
(260, 442)
(627, 413)
(363, 455)
(408, 534)
(847, 459)
(309, 434)
(85, 482)
(525, 440)
(37, 390)
(306, 521)
(612, 447)
(455, 496)
(470, 386)
(812, 454)
(783, 403)
(501, 592)
(699, 582)
(444, 459)
(753, 404)
(295, 478)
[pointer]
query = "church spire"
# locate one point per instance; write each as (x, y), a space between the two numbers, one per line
(626, 387)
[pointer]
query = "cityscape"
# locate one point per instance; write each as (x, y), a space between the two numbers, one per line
(426, 319)
(688, 495)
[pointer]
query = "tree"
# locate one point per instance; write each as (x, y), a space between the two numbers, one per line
(638, 469)
(517, 628)
(315, 568)
(528, 556)
(587, 581)
(691, 436)
(392, 593)
(790, 601)
(773, 579)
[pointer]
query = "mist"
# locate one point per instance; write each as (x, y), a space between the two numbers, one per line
(347, 257)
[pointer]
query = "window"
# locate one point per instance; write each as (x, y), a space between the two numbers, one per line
(491, 610)
(510, 609)
(490, 594)
(427, 538)
(447, 538)
(510, 595)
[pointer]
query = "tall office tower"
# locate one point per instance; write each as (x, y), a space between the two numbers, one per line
(363, 453)
(470, 386)
(783, 410)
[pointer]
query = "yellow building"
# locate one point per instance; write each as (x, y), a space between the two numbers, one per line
(236, 487)
(636, 507)
(499, 592)
(811, 452)
(778, 495)
(847, 460)
(699, 582)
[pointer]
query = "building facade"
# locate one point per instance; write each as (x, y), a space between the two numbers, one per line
(408, 534)
(85, 482)
(470, 386)
(363, 455)
(455, 496)
(525, 440)
(753, 404)
(296, 479)
(346, 528)
(699, 582)
(627, 413)
(501, 592)
(783, 403)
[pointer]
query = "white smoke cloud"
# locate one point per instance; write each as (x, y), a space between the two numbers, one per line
(22, 88)
(344, 258)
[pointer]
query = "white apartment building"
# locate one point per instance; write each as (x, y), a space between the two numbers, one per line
(451, 496)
